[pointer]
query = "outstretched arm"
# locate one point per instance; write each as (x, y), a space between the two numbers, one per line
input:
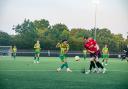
(90, 51)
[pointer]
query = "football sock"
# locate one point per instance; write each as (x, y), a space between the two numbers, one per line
(99, 65)
(66, 64)
(62, 66)
(38, 59)
(14, 56)
(34, 58)
(91, 65)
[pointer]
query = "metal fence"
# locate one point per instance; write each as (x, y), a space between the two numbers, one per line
(54, 53)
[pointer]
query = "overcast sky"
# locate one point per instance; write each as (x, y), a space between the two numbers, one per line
(111, 14)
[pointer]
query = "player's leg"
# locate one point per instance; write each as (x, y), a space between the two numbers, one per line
(123, 57)
(99, 65)
(35, 57)
(103, 59)
(61, 67)
(92, 64)
(38, 57)
(66, 63)
(68, 69)
(63, 63)
(14, 55)
(84, 55)
(106, 59)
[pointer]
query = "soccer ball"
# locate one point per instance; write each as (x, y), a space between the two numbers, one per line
(77, 58)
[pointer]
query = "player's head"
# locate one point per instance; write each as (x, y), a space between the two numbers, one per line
(64, 41)
(38, 41)
(106, 45)
(85, 38)
(13, 46)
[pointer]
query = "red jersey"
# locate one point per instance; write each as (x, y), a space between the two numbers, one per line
(91, 45)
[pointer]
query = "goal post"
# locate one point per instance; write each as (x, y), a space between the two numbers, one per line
(5, 50)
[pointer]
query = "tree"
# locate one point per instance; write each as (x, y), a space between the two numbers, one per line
(104, 37)
(57, 30)
(5, 39)
(41, 24)
(119, 41)
(26, 34)
(76, 38)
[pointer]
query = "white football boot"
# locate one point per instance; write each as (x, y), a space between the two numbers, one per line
(104, 70)
(58, 69)
(37, 62)
(69, 70)
(87, 72)
(94, 70)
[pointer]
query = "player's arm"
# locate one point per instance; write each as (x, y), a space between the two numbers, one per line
(39, 47)
(58, 45)
(103, 50)
(35, 46)
(90, 51)
(16, 49)
(67, 49)
(108, 52)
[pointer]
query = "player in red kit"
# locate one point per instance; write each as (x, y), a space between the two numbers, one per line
(93, 48)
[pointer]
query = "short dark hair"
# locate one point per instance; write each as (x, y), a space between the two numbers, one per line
(86, 37)
(64, 40)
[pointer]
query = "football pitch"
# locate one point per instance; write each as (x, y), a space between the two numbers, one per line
(22, 73)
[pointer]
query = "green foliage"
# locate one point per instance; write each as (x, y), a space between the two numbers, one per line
(59, 31)
(26, 34)
(5, 39)
(49, 35)
(41, 24)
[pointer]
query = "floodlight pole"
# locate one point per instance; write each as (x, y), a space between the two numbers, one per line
(95, 18)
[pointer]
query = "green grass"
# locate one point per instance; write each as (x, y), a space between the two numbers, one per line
(22, 73)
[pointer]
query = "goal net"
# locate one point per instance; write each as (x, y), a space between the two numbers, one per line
(5, 50)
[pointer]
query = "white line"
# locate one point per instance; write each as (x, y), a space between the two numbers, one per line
(55, 70)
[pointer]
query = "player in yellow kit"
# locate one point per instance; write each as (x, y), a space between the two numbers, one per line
(37, 51)
(14, 50)
(64, 48)
(105, 55)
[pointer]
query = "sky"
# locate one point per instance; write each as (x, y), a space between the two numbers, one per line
(111, 14)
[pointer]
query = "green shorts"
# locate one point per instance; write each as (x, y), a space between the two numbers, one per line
(105, 56)
(62, 57)
(14, 53)
(37, 51)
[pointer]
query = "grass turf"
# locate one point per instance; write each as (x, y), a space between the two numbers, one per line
(22, 73)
